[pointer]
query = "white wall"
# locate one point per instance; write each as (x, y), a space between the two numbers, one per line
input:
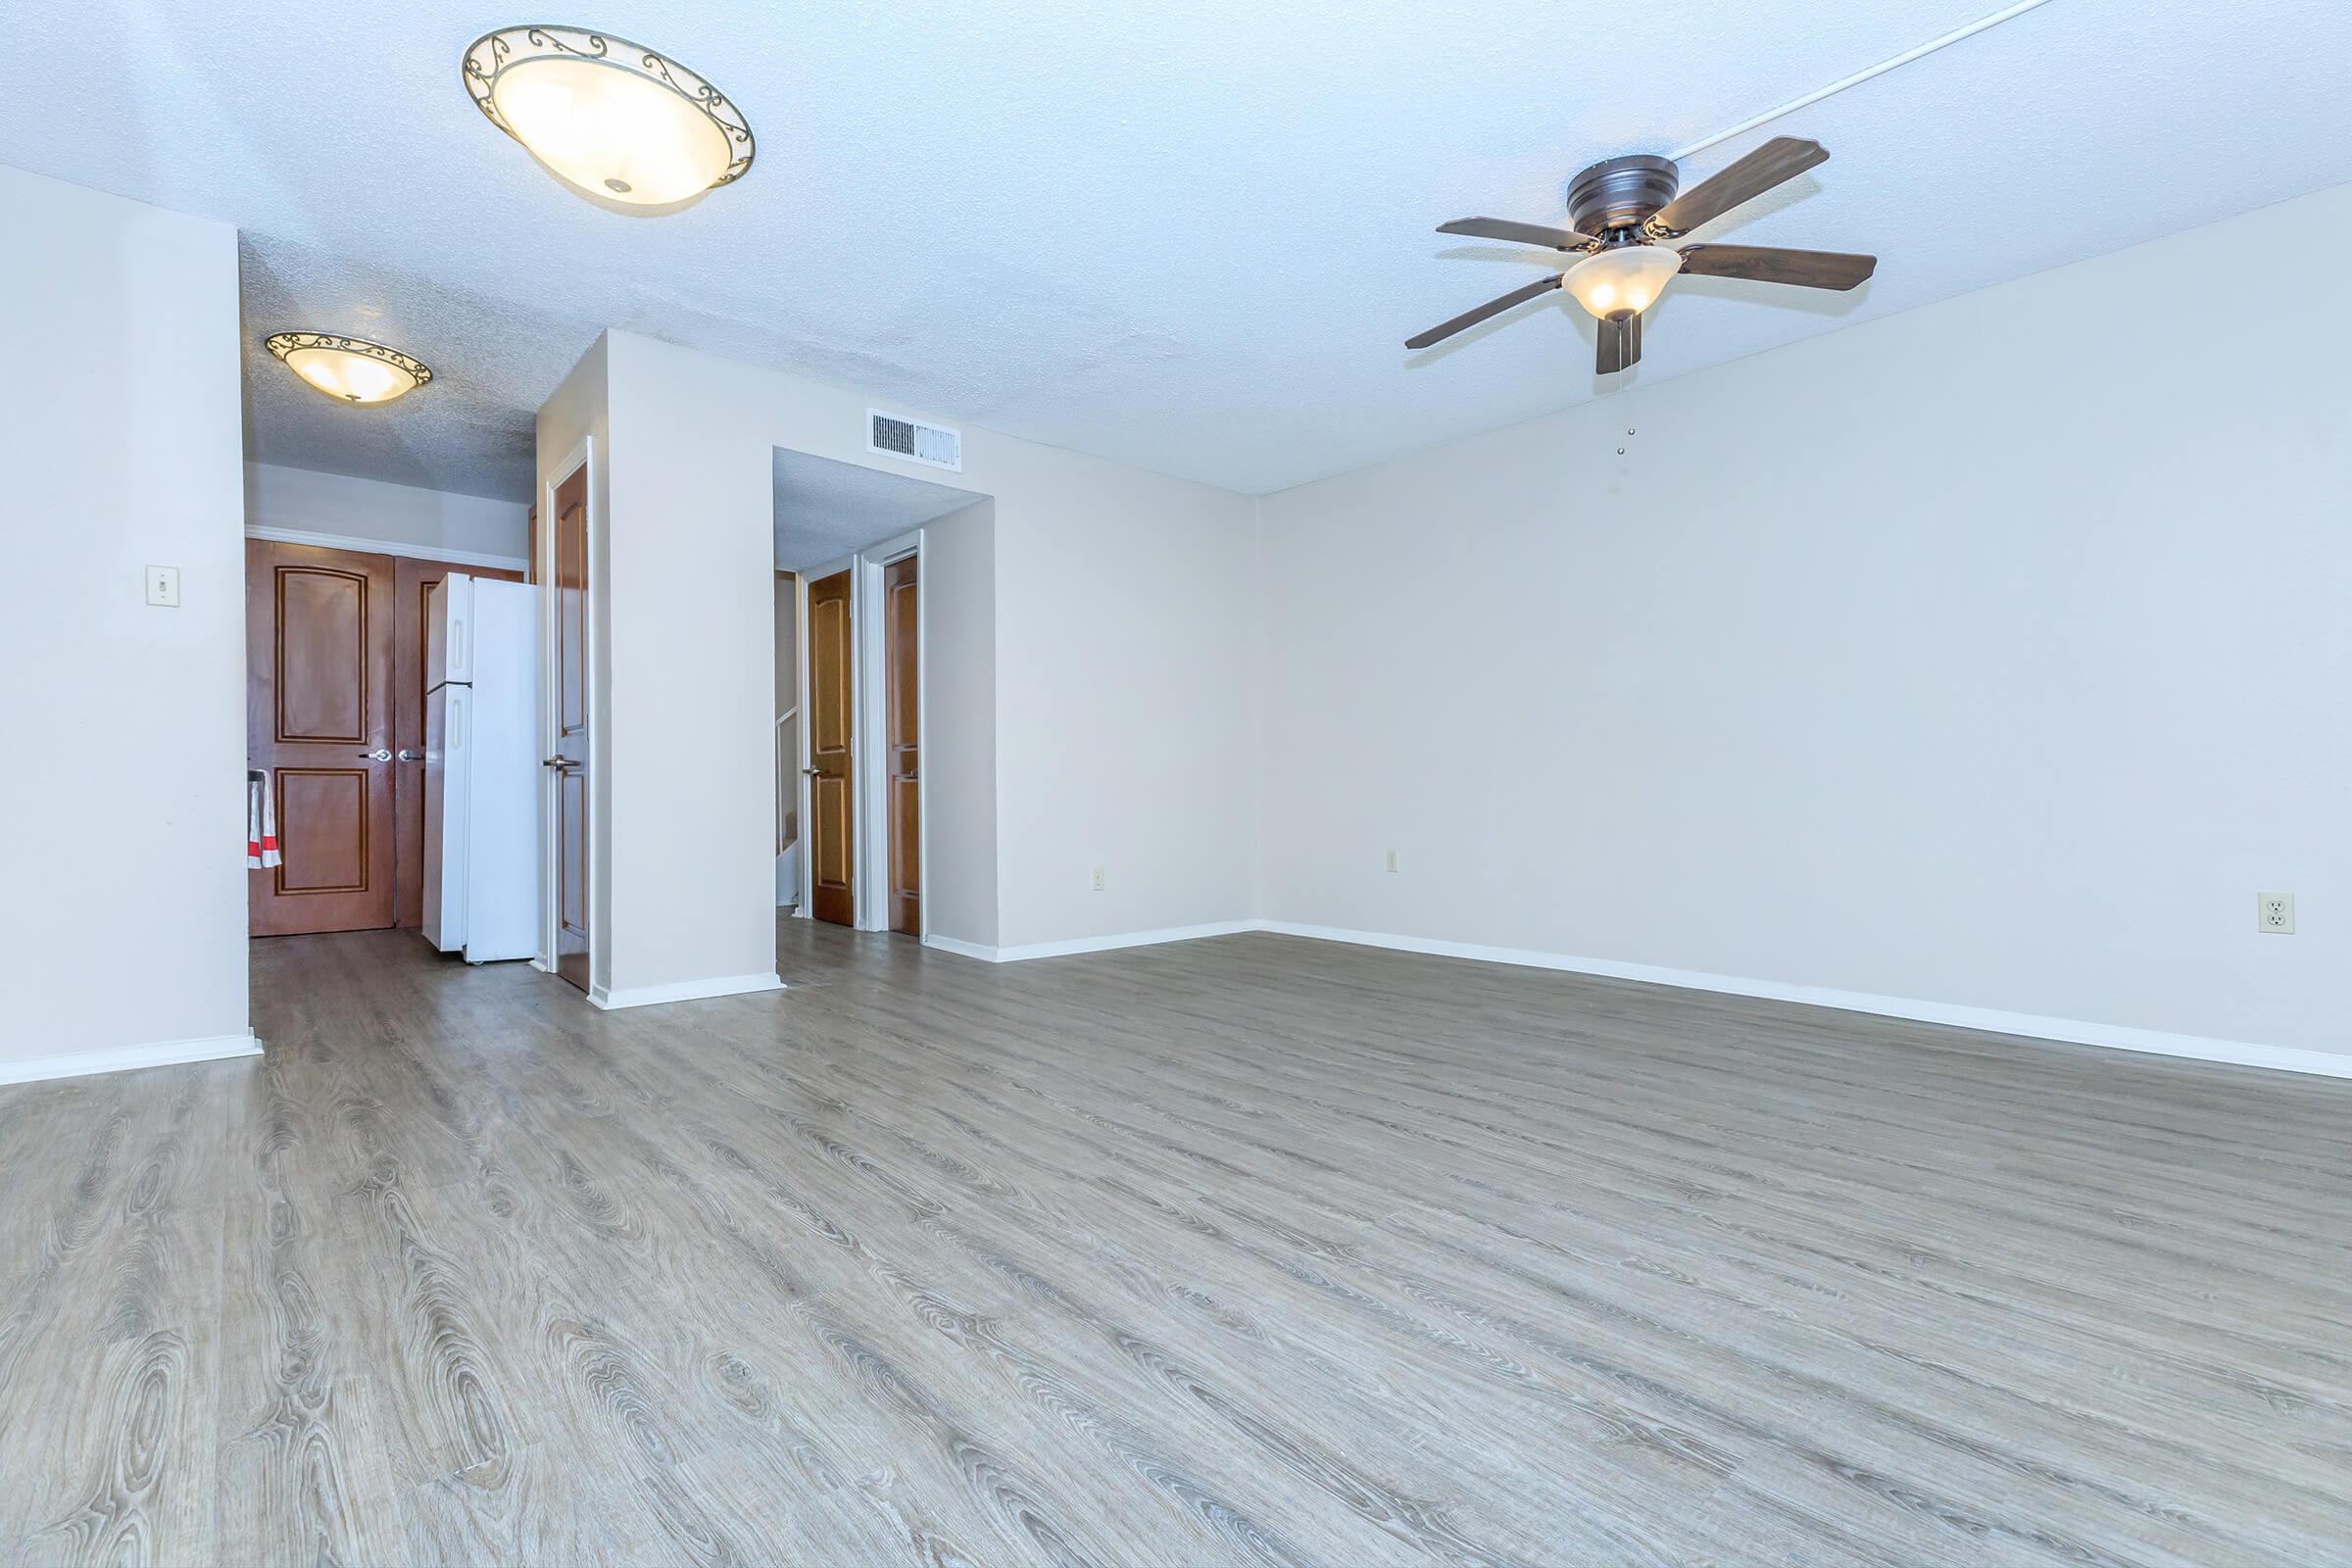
(960, 723)
(1120, 705)
(124, 786)
(1993, 654)
(400, 517)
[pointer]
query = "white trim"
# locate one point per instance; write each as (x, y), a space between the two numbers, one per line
(731, 985)
(868, 754)
(2070, 1031)
(542, 570)
(1988, 1020)
(1120, 939)
(122, 1059)
(385, 547)
(956, 945)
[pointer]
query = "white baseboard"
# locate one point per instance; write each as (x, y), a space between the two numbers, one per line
(2070, 1031)
(122, 1059)
(385, 547)
(956, 945)
(1060, 950)
(732, 985)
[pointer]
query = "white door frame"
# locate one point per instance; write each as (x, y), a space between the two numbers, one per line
(869, 781)
(873, 721)
(551, 701)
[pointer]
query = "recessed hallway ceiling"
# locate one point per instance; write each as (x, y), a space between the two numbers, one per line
(1190, 240)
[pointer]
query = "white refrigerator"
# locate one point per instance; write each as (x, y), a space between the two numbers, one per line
(482, 768)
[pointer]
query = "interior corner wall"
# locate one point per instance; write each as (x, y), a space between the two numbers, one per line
(125, 785)
(1113, 612)
(579, 411)
(1992, 654)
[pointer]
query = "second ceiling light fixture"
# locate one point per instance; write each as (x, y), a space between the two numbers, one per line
(624, 126)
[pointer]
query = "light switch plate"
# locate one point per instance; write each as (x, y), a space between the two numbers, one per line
(163, 586)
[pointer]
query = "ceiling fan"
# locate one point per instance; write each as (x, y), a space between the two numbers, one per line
(1627, 213)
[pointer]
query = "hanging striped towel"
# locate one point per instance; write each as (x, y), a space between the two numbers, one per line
(261, 822)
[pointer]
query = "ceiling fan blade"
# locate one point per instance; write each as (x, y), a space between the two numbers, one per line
(1780, 159)
(1517, 296)
(1769, 264)
(1559, 239)
(1620, 343)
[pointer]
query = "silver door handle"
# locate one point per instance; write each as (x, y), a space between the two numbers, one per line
(813, 772)
(565, 763)
(408, 755)
(380, 755)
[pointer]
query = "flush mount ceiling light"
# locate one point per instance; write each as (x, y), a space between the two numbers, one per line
(625, 126)
(349, 369)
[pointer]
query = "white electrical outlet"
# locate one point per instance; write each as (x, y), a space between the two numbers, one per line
(1392, 859)
(2274, 913)
(1098, 883)
(163, 586)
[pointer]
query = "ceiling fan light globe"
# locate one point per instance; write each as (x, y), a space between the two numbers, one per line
(1629, 277)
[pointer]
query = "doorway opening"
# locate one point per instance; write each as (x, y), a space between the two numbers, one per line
(338, 713)
(851, 703)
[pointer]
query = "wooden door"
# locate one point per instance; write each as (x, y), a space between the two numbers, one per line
(831, 702)
(902, 764)
(410, 579)
(570, 758)
(319, 639)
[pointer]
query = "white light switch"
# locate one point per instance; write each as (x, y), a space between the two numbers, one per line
(163, 586)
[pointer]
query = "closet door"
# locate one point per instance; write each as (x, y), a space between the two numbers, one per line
(319, 640)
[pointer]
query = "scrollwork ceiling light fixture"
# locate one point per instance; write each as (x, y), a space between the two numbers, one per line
(625, 126)
(349, 369)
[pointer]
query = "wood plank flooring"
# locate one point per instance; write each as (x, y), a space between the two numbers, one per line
(1245, 1251)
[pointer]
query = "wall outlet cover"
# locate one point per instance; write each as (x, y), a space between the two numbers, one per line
(2274, 914)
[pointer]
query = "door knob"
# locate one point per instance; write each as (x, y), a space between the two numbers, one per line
(408, 755)
(380, 755)
(564, 763)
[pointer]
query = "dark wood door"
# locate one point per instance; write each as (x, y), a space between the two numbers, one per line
(319, 639)
(410, 580)
(833, 894)
(903, 753)
(570, 758)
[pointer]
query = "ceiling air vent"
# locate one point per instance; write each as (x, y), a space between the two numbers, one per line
(932, 445)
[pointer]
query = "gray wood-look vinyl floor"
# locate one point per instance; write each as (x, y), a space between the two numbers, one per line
(1243, 1251)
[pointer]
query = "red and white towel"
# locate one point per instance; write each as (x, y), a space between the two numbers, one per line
(261, 822)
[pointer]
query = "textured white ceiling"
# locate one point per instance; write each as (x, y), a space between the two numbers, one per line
(1191, 238)
(469, 430)
(825, 510)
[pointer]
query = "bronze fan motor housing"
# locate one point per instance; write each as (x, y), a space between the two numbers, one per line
(1637, 204)
(1621, 193)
